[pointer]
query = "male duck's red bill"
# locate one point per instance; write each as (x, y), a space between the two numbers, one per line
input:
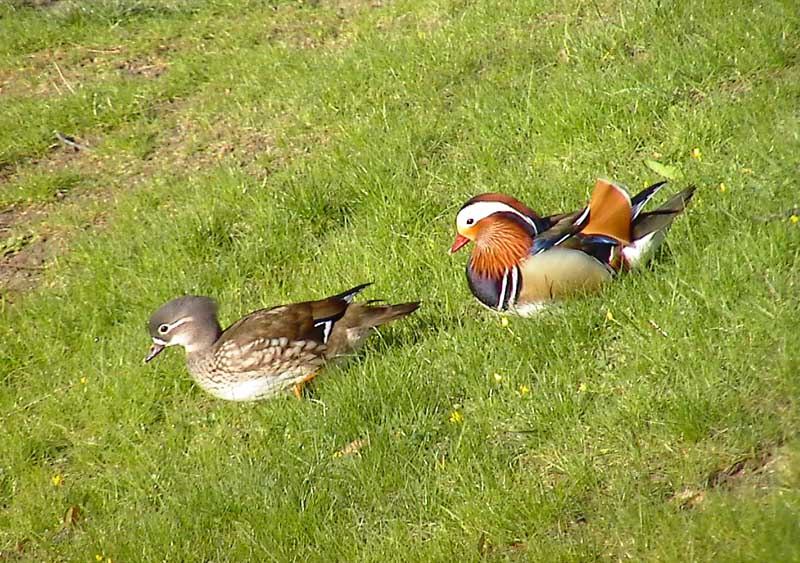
(460, 241)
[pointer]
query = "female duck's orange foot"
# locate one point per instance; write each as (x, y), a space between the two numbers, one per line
(297, 388)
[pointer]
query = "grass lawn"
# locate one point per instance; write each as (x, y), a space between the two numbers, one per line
(263, 152)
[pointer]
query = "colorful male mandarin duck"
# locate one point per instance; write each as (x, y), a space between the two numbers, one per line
(270, 350)
(522, 261)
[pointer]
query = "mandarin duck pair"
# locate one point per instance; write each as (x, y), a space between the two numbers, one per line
(520, 262)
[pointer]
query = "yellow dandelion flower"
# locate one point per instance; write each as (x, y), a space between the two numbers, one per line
(696, 154)
(794, 219)
(582, 388)
(609, 316)
(524, 390)
(722, 187)
(84, 380)
(57, 480)
(456, 417)
(746, 170)
(98, 557)
(504, 322)
(497, 377)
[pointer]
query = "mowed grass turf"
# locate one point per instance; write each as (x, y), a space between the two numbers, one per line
(268, 152)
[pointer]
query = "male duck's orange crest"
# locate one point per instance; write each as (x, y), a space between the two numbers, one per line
(501, 244)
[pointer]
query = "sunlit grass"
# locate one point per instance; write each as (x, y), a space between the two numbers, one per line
(263, 152)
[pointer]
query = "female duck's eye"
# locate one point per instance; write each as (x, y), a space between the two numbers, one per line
(470, 221)
(163, 329)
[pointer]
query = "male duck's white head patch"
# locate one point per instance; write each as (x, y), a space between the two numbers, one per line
(471, 214)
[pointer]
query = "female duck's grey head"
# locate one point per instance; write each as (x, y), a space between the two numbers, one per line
(189, 321)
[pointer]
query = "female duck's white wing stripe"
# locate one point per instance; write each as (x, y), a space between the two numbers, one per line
(326, 329)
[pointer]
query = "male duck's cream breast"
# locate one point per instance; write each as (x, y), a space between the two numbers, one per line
(558, 273)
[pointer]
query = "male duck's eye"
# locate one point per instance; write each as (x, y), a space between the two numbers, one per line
(163, 329)
(470, 221)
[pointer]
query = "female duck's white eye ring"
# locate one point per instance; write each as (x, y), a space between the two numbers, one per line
(163, 329)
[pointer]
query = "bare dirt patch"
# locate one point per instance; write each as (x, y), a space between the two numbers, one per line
(147, 67)
(27, 242)
(189, 144)
(22, 256)
(35, 3)
(759, 470)
(59, 71)
(20, 271)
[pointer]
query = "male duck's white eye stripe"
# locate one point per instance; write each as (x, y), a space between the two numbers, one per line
(482, 209)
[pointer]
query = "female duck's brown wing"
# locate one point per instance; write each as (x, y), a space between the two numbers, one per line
(281, 342)
(271, 342)
(309, 320)
(293, 322)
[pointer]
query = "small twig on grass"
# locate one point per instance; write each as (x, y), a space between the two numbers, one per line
(794, 211)
(353, 447)
(37, 400)
(24, 268)
(63, 79)
(771, 289)
(113, 51)
(658, 329)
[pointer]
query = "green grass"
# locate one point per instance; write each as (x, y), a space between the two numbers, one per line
(264, 152)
